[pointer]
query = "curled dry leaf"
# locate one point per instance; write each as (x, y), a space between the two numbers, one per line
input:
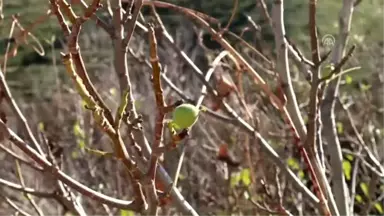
(164, 198)
(223, 151)
(159, 185)
(224, 87)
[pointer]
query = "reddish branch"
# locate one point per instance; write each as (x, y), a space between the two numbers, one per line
(154, 59)
(86, 89)
(73, 46)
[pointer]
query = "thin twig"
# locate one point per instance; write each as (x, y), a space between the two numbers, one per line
(13, 205)
(27, 195)
(131, 24)
(233, 14)
(23, 189)
(355, 172)
(21, 159)
(8, 46)
(97, 19)
(11, 101)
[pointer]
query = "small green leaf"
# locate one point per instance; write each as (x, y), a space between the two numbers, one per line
(348, 79)
(74, 155)
(340, 128)
(365, 87)
(347, 168)
(41, 126)
(328, 69)
(81, 143)
(358, 198)
(293, 164)
(181, 177)
(126, 212)
(246, 177)
(203, 108)
(235, 179)
(364, 188)
(301, 174)
(349, 157)
(79, 133)
(379, 208)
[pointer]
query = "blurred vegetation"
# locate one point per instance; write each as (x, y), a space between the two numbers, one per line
(366, 32)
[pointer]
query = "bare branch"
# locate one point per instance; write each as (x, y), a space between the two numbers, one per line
(329, 132)
(21, 188)
(21, 159)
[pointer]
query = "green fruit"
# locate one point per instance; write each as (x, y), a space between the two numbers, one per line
(185, 116)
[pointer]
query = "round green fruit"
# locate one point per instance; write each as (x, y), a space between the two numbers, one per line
(185, 116)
